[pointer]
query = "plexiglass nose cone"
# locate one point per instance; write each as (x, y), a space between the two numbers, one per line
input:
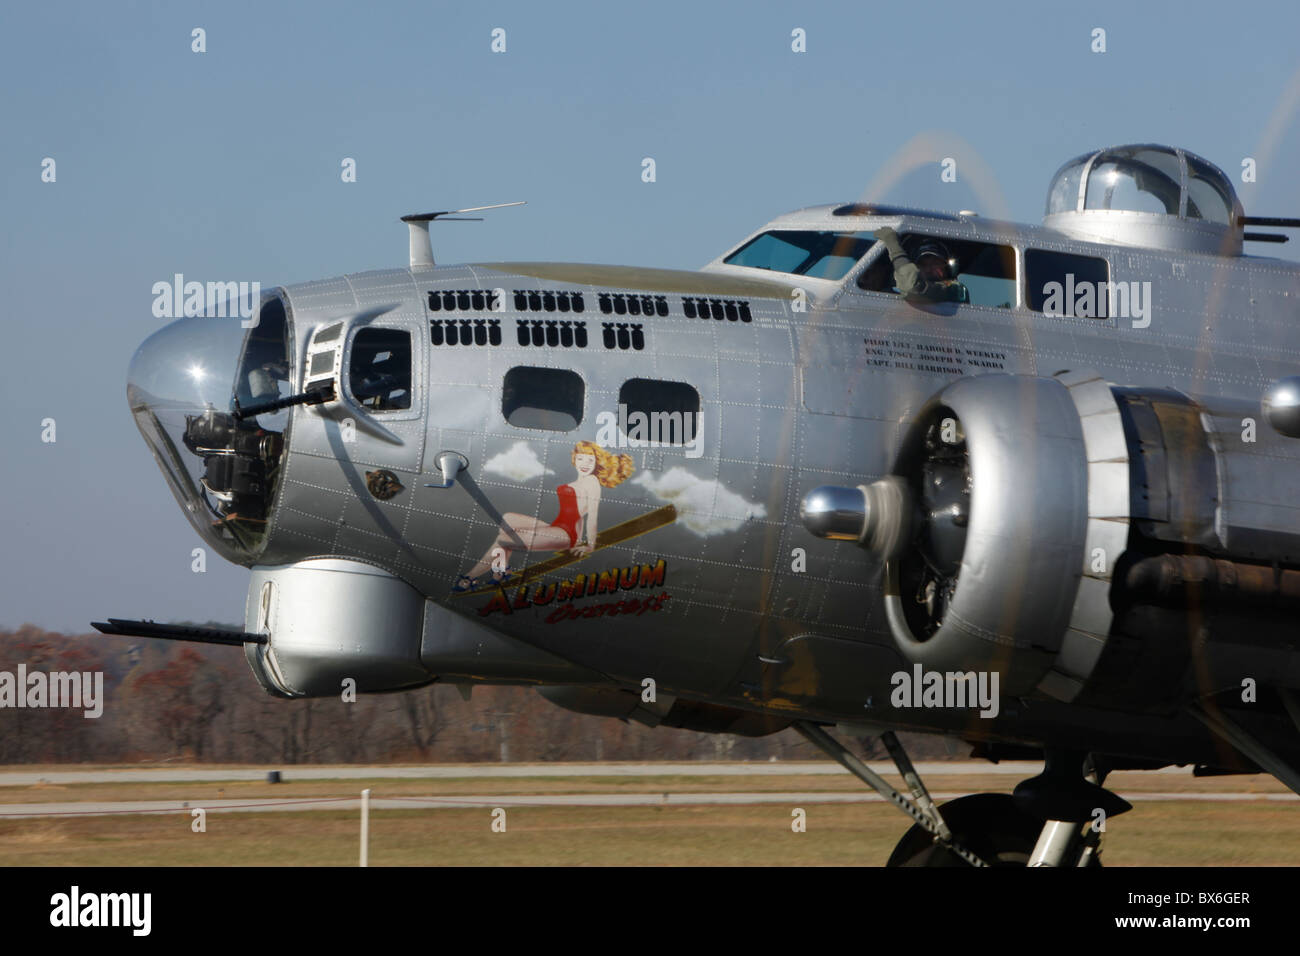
(181, 387)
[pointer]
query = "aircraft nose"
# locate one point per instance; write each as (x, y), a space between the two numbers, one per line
(182, 385)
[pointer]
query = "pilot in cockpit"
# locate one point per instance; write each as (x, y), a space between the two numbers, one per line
(927, 273)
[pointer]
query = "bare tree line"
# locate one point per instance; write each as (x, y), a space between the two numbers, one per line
(169, 701)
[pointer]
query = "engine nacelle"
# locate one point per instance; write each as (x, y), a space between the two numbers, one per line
(1069, 534)
(329, 620)
(1010, 492)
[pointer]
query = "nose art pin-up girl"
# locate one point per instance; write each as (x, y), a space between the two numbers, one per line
(574, 528)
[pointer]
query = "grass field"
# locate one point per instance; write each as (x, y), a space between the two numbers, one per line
(1122, 783)
(1155, 833)
(1169, 834)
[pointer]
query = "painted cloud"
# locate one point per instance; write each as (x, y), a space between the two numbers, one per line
(705, 507)
(518, 462)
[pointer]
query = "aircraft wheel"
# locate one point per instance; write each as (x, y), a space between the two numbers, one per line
(988, 824)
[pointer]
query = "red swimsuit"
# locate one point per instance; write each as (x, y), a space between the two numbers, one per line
(568, 518)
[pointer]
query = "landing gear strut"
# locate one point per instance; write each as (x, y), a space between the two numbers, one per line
(1073, 810)
(1054, 819)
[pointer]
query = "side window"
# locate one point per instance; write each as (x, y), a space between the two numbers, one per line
(379, 375)
(986, 271)
(1060, 283)
(665, 413)
(989, 273)
(546, 398)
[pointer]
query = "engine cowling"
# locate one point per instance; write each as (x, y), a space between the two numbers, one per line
(1084, 539)
(998, 471)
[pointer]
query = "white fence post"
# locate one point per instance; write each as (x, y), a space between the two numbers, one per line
(365, 827)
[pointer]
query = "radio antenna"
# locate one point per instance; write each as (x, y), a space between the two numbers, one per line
(418, 223)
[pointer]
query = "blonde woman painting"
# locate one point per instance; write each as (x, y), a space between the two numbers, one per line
(574, 528)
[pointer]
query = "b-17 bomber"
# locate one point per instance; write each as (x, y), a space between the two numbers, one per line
(873, 469)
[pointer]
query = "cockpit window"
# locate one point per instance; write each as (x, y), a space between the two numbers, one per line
(822, 255)
(987, 272)
(380, 370)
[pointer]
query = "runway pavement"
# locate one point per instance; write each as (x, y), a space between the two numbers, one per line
(489, 801)
(190, 774)
(19, 779)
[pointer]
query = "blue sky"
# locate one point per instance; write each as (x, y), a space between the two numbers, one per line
(226, 164)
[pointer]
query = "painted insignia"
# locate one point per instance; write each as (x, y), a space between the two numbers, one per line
(383, 484)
